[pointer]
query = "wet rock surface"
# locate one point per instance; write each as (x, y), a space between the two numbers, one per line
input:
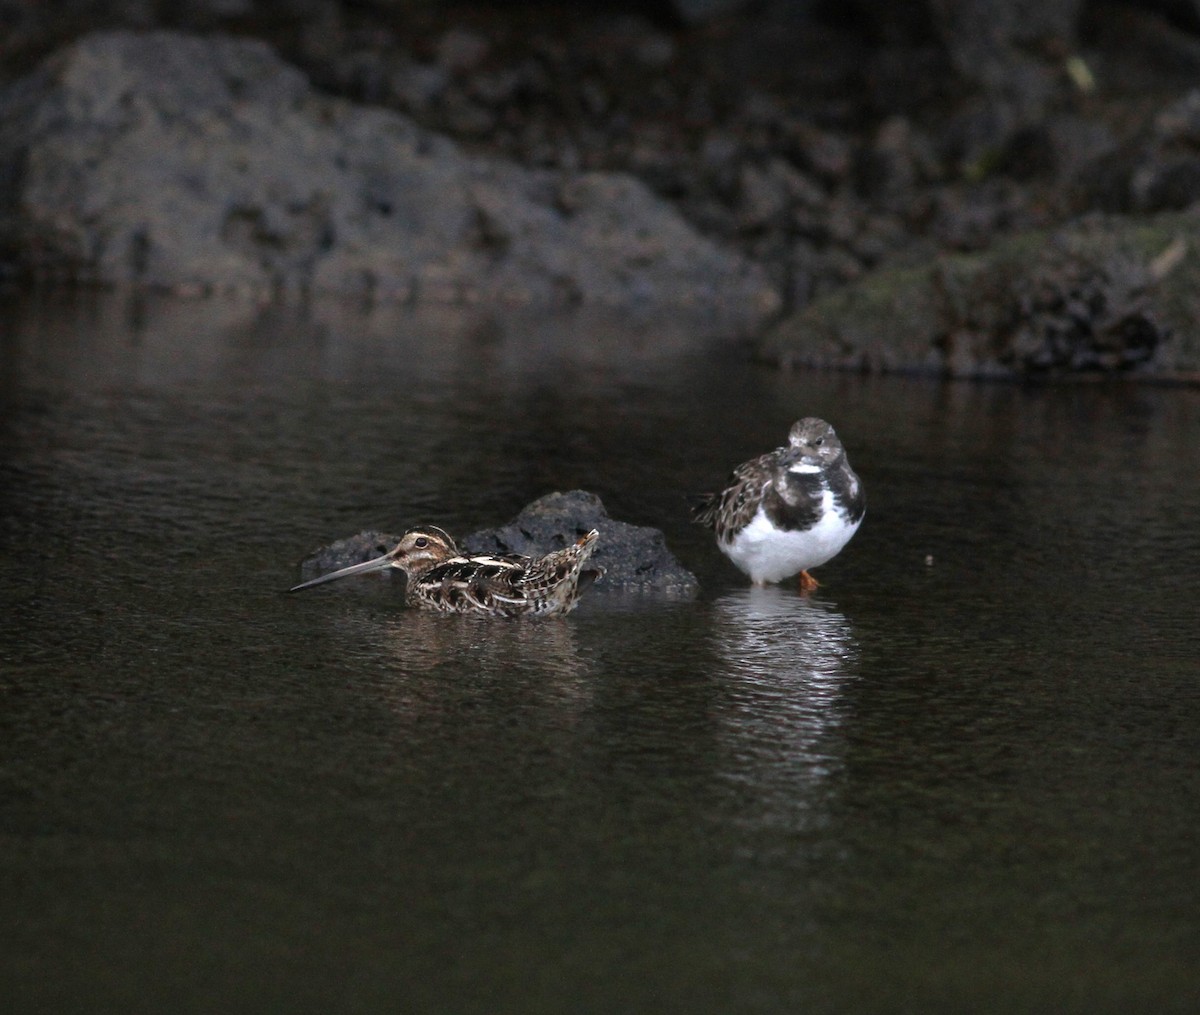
(635, 558)
(209, 164)
(1106, 296)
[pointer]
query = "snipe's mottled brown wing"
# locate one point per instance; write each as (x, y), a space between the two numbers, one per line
(507, 585)
(557, 568)
(482, 584)
(551, 583)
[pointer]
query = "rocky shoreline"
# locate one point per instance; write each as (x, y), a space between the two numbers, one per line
(878, 192)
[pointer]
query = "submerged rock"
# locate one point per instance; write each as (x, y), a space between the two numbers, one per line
(635, 557)
(209, 164)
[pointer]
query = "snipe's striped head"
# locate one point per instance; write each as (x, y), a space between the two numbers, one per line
(422, 547)
(418, 550)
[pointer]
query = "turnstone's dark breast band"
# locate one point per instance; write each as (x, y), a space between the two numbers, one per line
(790, 510)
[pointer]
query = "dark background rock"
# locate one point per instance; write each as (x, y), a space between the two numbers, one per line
(1108, 295)
(821, 142)
(210, 165)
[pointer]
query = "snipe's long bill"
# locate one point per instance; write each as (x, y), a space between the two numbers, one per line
(366, 567)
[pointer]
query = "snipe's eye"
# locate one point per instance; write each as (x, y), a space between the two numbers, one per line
(819, 441)
(420, 541)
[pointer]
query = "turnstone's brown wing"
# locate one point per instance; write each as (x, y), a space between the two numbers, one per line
(730, 510)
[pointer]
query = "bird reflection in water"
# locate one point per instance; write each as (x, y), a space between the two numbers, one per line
(786, 661)
(533, 666)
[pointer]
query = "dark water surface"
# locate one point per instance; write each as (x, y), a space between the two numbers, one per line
(968, 784)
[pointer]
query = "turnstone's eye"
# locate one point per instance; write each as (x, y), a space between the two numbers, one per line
(819, 441)
(420, 541)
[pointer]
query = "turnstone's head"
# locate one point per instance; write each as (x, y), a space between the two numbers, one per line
(418, 551)
(813, 445)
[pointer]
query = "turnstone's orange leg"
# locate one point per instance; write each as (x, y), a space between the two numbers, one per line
(808, 583)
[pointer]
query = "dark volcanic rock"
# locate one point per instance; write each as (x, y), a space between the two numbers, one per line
(619, 160)
(203, 164)
(1108, 295)
(1001, 45)
(633, 556)
(1157, 170)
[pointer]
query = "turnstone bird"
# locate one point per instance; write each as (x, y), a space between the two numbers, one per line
(441, 578)
(789, 510)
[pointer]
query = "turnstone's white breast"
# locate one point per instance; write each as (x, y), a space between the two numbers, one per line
(792, 509)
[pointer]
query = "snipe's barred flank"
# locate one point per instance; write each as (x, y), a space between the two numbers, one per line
(789, 510)
(440, 578)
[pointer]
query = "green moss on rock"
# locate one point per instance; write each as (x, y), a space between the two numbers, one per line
(1106, 295)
